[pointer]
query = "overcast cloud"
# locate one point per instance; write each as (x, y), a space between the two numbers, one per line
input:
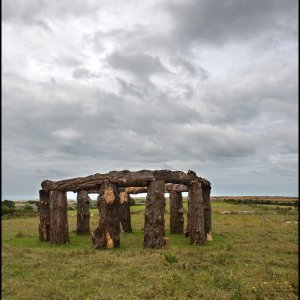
(94, 86)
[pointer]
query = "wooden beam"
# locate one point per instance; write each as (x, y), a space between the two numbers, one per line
(123, 179)
(175, 187)
(75, 184)
(135, 190)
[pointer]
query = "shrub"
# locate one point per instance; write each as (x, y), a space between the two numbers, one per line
(7, 207)
(36, 203)
(5, 210)
(27, 208)
(9, 203)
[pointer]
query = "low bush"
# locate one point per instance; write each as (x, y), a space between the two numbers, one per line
(6, 210)
(8, 207)
(261, 201)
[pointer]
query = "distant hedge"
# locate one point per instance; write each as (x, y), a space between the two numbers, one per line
(9, 209)
(265, 202)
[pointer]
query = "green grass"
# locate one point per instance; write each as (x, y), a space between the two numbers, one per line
(250, 257)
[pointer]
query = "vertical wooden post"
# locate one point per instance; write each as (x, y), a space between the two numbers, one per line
(44, 226)
(83, 212)
(107, 235)
(207, 212)
(187, 219)
(176, 212)
(125, 218)
(59, 231)
(154, 228)
(196, 214)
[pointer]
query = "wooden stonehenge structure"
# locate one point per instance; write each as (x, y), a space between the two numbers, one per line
(114, 189)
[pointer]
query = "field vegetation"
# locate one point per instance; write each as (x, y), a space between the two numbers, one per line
(253, 255)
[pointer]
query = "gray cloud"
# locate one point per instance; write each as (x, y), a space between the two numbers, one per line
(139, 64)
(68, 60)
(44, 25)
(80, 73)
(216, 23)
(25, 12)
(190, 85)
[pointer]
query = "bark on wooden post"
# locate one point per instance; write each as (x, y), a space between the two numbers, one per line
(44, 227)
(207, 212)
(187, 219)
(59, 231)
(125, 218)
(154, 228)
(107, 235)
(176, 212)
(196, 214)
(83, 212)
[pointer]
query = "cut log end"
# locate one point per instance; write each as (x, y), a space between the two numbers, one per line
(106, 236)
(209, 237)
(109, 195)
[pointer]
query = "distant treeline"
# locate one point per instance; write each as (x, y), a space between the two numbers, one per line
(32, 207)
(262, 201)
(9, 209)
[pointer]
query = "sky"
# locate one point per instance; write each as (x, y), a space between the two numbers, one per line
(94, 86)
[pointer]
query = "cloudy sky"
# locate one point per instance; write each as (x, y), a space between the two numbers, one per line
(207, 85)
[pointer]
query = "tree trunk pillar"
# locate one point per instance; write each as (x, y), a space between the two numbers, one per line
(59, 231)
(196, 214)
(83, 212)
(187, 219)
(176, 212)
(125, 218)
(154, 228)
(44, 227)
(107, 235)
(207, 212)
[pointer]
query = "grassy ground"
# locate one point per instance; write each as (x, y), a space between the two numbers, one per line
(251, 257)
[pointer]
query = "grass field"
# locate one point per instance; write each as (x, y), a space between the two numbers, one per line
(251, 256)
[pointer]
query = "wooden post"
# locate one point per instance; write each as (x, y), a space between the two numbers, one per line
(125, 218)
(176, 212)
(59, 231)
(154, 229)
(44, 227)
(196, 214)
(83, 212)
(207, 212)
(107, 235)
(187, 219)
